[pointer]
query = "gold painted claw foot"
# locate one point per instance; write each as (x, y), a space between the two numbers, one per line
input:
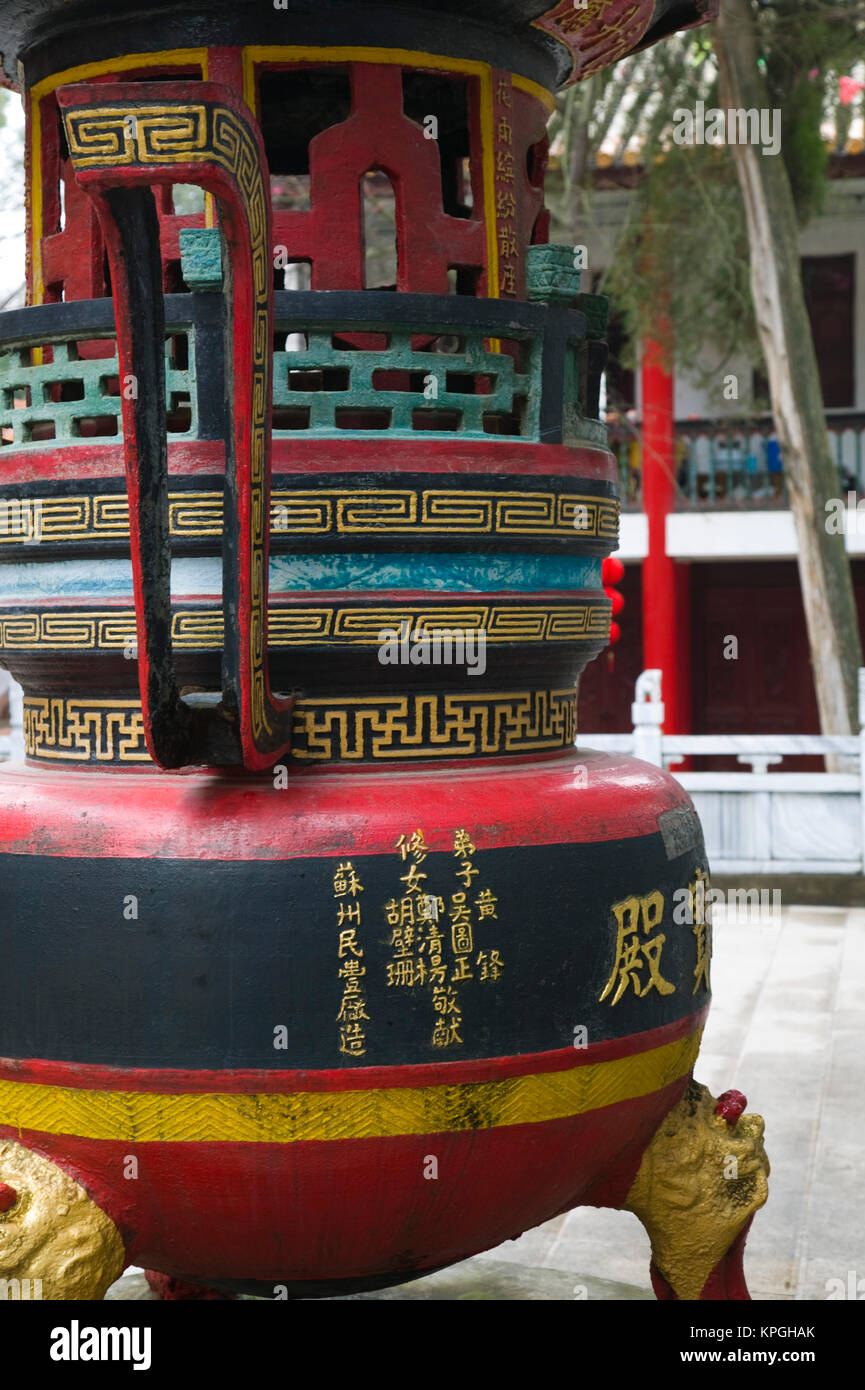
(55, 1242)
(702, 1178)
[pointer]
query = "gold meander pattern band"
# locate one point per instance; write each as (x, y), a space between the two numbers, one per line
(201, 629)
(395, 511)
(271, 1117)
(207, 133)
(378, 729)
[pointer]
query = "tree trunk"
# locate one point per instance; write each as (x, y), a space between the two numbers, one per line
(580, 141)
(794, 383)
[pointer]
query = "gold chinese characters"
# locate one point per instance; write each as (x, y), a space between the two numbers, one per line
(433, 942)
(506, 202)
(639, 943)
(352, 1013)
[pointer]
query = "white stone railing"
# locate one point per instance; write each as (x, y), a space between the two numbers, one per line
(12, 743)
(760, 821)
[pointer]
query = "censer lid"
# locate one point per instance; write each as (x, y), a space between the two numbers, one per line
(575, 39)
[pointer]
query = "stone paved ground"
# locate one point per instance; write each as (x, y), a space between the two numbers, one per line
(787, 1027)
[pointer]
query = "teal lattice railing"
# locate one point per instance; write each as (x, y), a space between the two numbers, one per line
(462, 388)
(70, 397)
(351, 364)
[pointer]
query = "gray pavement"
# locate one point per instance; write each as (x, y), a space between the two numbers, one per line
(787, 1027)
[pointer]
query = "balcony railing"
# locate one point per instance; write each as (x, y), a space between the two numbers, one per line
(736, 467)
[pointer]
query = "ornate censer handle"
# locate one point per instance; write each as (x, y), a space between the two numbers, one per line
(124, 137)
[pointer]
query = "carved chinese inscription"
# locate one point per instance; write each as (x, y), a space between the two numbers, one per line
(506, 201)
(434, 938)
(637, 965)
(352, 1013)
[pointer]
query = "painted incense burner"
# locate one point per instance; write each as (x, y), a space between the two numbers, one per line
(329, 970)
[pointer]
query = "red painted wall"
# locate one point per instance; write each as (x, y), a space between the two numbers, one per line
(607, 684)
(768, 688)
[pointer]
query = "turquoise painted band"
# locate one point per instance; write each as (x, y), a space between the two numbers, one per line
(304, 573)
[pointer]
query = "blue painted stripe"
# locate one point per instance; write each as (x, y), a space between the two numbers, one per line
(437, 573)
(291, 573)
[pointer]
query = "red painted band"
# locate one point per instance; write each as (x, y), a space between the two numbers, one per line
(302, 597)
(312, 457)
(171, 1082)
(325, 813)
(340, 1209)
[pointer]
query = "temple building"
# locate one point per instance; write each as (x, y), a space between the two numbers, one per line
(720, 501)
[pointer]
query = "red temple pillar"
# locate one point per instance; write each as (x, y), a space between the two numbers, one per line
(666, 589)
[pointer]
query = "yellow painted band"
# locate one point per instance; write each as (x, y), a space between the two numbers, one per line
(535, 89)
(488, 147)
(175, 57)
(405, 57)
(145, 1117)
(179, 57)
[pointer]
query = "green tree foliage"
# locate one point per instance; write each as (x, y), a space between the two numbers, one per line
(686, 248)
(685, 240)
(807, 46)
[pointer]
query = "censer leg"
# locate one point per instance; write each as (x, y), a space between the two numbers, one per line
(702, 1177)
(55, 1242)
(173, 1290)
(725, 1284)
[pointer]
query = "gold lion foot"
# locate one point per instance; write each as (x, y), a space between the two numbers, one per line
(701, 1179)
(55, 1242)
